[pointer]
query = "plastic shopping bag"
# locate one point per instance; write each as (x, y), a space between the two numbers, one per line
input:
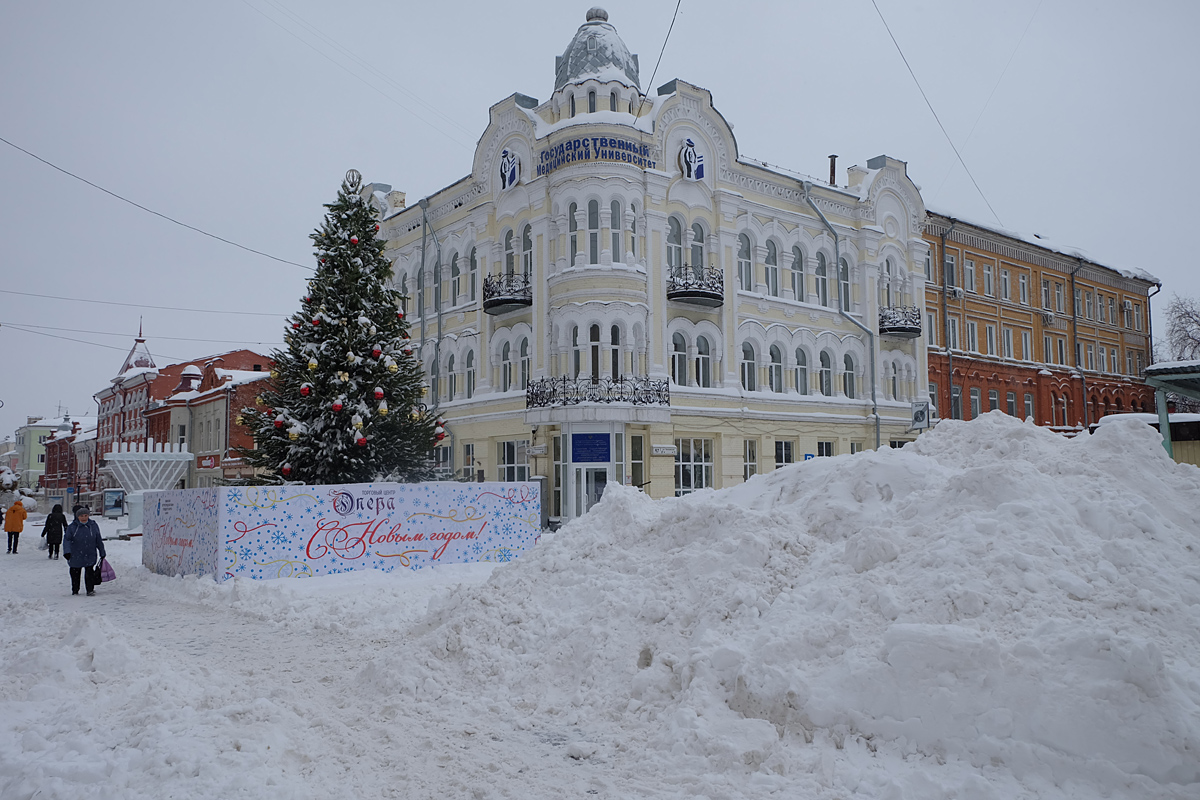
(107, 573)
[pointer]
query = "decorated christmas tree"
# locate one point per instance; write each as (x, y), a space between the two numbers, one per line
(344, 401)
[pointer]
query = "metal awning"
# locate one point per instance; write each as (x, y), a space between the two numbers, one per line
(1182, 377)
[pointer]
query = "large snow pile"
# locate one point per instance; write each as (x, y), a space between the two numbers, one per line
(989, 611)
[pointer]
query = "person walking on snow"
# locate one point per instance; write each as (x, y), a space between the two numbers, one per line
(81, 545)
(14, 523)
(56, 523)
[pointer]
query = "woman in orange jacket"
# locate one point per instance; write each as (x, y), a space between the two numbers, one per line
(14, 523)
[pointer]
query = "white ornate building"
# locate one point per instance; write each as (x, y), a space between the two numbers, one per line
(614, 294)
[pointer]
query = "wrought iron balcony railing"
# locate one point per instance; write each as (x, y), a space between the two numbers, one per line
(702, 286)
(564, 391)
(503, 293)
(901, 322)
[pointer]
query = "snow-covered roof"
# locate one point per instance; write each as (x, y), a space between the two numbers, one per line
(1150, 419)
(235, 377)
(597, 51)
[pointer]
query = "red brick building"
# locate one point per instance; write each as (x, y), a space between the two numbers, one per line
(1031, 330)
(71, 464)
(201, 412)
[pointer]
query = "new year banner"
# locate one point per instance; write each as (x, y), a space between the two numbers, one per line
(305, 531)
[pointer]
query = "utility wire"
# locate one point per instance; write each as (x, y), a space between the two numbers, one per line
(666, 38)
(82, 341)
(935, 116)
(142, 305)
(127, 335)
(353, 74)
(1003, 72)
(152, 211)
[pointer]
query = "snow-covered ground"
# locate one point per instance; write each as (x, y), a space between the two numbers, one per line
(991, 612)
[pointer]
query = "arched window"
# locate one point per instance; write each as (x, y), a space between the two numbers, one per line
(452, 379)
(614, 225)
(506, 373)
(826, 374)
(572, 105)
(591, 101)
(776, 370)
(404, 293)
(473, 267)
(885, 285)
(615, 355)
(895, 382)
(510, 258)
(573, 227)
(525, 364)
(593, 221)
(749, 368)
(798, 274)
(844, 284)
(697, 249)
(679, 359)
(674, 246)
(822, 281)
(745, 265)
(594, 339)
(801, 371)
(527, 251)
(435, 380)
(772, 269)
(612, 101)
(633, 226)
(848, 377)
(576, 353)
(420, 309)
(455, 280)
(703, 362)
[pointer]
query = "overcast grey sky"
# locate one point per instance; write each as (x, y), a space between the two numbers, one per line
(240, 117)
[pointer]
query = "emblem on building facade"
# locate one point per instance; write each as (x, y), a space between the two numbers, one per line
(510, 169)
(691, 161)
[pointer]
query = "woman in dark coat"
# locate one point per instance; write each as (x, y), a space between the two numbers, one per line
(84, 547)
(56, 523)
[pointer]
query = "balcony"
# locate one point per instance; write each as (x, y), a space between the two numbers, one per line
(900, 322)
(564, 391)
(504, 293)
(700, 286)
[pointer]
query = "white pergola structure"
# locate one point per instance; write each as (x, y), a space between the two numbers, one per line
(143, 467)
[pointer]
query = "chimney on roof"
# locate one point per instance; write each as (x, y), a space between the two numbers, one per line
(833, 170)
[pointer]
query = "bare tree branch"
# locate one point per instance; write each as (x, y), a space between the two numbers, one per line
(1183, 328)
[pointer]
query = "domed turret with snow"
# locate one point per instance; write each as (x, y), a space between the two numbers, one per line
(597, 51)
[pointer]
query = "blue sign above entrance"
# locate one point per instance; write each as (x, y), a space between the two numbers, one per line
(590, 447)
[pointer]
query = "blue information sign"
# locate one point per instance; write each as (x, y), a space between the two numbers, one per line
(808, 456)
(590, 447)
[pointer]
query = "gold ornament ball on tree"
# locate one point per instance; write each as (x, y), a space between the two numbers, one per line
(293, 436)
(258, 401)
(312, 365)
(393, 368)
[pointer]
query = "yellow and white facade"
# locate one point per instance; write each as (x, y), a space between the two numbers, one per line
(614, 294)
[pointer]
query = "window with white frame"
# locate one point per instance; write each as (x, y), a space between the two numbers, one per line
(1091, 357)
(1005, 285)
(1103, 358)
(593, 222)
(1046, 294)
(822, 280)
(990, 339)
(928, 266)
(674, 246)
(703, 362)
(615, 228)
(594, 352)
(510, 255)
(894, 382)
(637, 461)
(576, 353)
(470, 387)
(771, 268)
(785, 452)
(455, 280)
(526, 364)
(801, 371)
(1047, 350)
(1058, 298)
(560, 476)
(1089, 305)
(988, 288)
(506, 367)
(1078, 296)
(697, 249)
(1026, 346)
(953, 332)
(1006, 343)
(749, 458)
(993, 399)
(974, 402)
(968, 274)
(443, 463)
(931, 330)
(513, 464)
(1011, 399)
(678, 359)
(1023, 284)
(527, 251)
(748, 368)
(951, 272)
(798, 274)
(848, 377)
(745, 264)
(1137, 316)
(1114, 361)
(825, 450)
(614, 352)
(826, 374)
(844, 284)
(775, 371)
(1062, 351)
(972, 336)
(573, 226)
(693, 465)
(472, 275)
(451, 380)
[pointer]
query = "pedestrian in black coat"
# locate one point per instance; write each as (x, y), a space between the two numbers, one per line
(84, 548)
(56, 523)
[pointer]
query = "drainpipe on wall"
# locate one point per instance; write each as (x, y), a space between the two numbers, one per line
(946, 327)
(837, 265)
(1150, 319)
(436, 288)
(1078, 350)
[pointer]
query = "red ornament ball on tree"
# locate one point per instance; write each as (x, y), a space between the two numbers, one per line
(400, 315)
(377, 352)
(296, 325)
(337, 406)
(286, 471)
(316, 322)
(362, 442)
(278, 423)
(378, 394)
(304, 390)
(440, 436)
(353, 240)
(376, 226)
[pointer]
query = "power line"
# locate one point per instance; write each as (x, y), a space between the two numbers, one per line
(935, 116)
(1003, 72)
(141, 305)
(82, 341)
(126, 335)
(650, 85)
(353, 74)
(152, 211)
